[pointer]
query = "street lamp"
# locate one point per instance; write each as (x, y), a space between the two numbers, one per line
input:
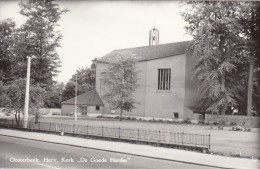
(26, 104)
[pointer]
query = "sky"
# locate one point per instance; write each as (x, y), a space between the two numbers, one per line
(92, 29)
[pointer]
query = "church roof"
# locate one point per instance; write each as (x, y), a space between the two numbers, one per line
(150, 52)
(90, 98)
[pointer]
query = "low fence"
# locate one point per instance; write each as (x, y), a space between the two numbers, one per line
(171, 139)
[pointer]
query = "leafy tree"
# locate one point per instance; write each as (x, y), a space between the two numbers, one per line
(86, 78)
(222, 46)
(120, 80)
(7, 29)
(13, 95)
(53, 97)
(38, 37)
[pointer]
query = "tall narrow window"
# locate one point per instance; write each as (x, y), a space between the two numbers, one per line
(164, 79)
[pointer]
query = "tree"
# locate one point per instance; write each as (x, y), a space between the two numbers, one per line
(7, 29)
(13, 95)
(86, 79)
(120, 80)
(53, 97)
(222, 46)
(38, 37)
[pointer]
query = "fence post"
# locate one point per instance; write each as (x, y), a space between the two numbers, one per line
(119, 133)
(170, 136)
(61, 127)
(209, 141)
(50, 127)
(102, 131)
(39, 125)
(182, 137)
(87, 129)
(12, 122)
(73, 128)
(138, 134)
(159, 136)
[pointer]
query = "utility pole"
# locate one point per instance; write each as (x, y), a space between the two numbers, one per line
(76, 88)
(26, 104)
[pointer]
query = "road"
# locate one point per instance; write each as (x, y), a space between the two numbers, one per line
(22, 153)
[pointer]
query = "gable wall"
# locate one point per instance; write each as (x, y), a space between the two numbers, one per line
(163, 103)
(154, 103)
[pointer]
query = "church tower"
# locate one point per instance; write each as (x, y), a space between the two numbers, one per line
(154, 37)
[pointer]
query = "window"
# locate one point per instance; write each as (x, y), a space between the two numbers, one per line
(97, 108)
(176, 115)
(164, 79)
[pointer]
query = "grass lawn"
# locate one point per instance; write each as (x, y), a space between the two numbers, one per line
(222, 141)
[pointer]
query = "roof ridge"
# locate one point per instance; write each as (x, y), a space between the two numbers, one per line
(151, 46)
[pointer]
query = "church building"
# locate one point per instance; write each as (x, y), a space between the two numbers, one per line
(166, 89)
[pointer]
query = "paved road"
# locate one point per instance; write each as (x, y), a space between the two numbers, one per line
(21, 153)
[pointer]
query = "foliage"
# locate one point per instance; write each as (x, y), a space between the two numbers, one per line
(14, 97)
(53, 97)
(120, 80)
(222, 44)
(38, 37)
(86, 78)
(7, 28)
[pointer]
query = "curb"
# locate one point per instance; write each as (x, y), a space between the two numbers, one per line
(184, 162)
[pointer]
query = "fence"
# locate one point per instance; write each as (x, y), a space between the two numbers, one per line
(196, 141)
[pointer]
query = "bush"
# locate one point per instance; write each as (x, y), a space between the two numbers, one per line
(237, 128)
(160, 120)
(69, 114)
(233, 123)
(220, 127)
(128, 118)
(133, 118)
(215, 123)
(99, 116)
(247, 129)
(7, 114)
(188, 121)
(55, 113)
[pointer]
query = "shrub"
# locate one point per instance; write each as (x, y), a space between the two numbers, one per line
(7, 114)
(215, 123)
(233, 123)
(55, 113)
(248, 129)
(188, 121)
(237, 128)
(128, 118)
(133, 118)
(160, 120)
(220, 127)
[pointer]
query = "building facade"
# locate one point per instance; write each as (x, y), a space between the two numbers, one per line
(166, 89)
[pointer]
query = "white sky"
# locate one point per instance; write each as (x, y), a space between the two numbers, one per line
(92, 29)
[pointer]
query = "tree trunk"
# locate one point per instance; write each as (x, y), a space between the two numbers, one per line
(15, 115)
(250, 88)
(121, 113)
